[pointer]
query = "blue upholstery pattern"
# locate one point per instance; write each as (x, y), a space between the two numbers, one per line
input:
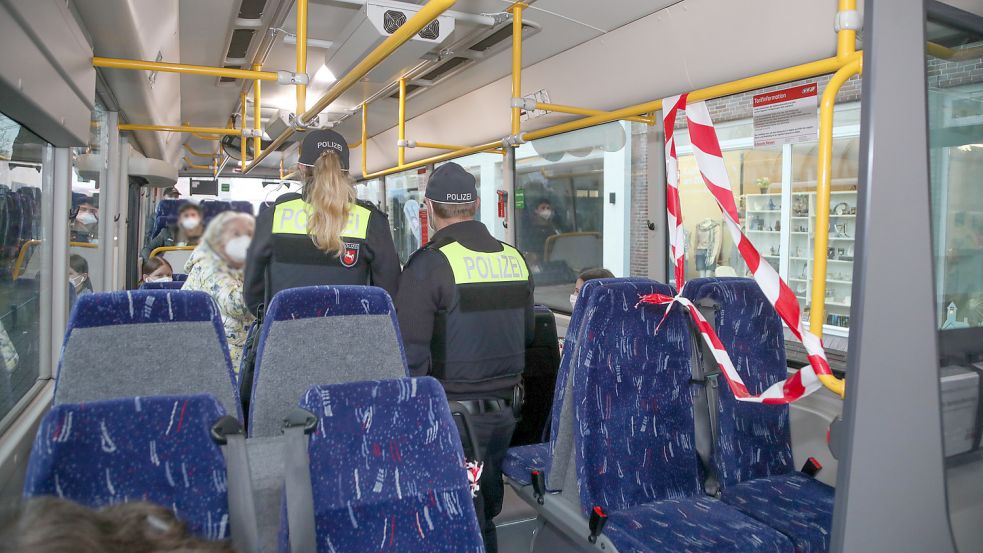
(180, 277)
(155, 449)
(753, 440)
(697, 524)
(211, 208)
(173, 285)
(241, 207)
(634, 427)
(796, 505)
(521, 461)
(169, 207)
(387, 469)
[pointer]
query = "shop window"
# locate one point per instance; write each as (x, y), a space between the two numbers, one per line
(22, 248)
(404, 200)
(571, 207)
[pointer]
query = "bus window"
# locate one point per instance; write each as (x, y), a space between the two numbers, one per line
(404, 200)
(571, 207)
(372, 191)
(955, 120)
(21, 251)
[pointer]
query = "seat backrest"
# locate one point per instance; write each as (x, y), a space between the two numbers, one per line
(169, 207)
(160, 222)
(242, 207)
(145, 343)
(211, 208)
(633, 401)
(753, 440)
(561, 417)
(177, 258)
(179, 277)
(173, 285)
(321, 335)
(387, 464)
(538, 379)
(156, 449)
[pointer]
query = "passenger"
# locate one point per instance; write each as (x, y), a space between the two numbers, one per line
(85, 221)
(54, 525)
(156, 269)
(465, 307)
(78, 274)
(589, 274)
(538, 228)
(322, 236)
(216, 267)
(172, 193)
(187, 231)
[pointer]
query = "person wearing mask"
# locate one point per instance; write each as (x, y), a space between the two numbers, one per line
(156, 269)
(589, 274)
(85, 222)
(537, 229)
(322, 235)
(78, 274)
(215, 267)
(187, 231)
(465, 308)
(172, 194)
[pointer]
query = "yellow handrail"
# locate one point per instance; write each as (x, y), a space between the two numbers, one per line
(178, 128)
(242, 140)
(19, 264)
(401, 145)
(183, 68)
(516, 10)
(257, 115)
(428, 12)
(193, 166)
(165, 249)
(582, 111)
(191, 151)
(301, 52)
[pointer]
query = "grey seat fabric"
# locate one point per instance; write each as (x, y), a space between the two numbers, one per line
(321, 335)
(145, 343)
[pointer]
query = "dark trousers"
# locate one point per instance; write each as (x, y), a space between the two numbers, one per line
(494, 432)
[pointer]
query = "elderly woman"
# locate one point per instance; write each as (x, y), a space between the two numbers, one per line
(215, 267)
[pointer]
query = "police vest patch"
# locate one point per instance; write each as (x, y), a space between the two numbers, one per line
(350, 257)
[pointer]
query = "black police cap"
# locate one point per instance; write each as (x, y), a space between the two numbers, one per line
(317, 142)
(451, 184)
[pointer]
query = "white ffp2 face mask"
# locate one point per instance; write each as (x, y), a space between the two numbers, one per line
(573, 300)
(87, 218)
(190, 223)
(237, 247)
(158, 279)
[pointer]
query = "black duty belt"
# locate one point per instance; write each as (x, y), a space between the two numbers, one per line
(477, 406)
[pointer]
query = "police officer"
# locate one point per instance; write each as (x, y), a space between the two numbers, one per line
(465, 307)
(322, 236)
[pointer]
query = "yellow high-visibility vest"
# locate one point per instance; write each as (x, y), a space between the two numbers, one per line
(291, 218)
(471, 267)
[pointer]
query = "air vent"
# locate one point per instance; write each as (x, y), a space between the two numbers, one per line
(239, 43)
(251, 9)
(444, 68)
(498, 36)
(392, 20)
(431, 31)
(229, 79)
(409, 89)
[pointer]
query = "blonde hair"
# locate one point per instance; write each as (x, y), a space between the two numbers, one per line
(330, 193)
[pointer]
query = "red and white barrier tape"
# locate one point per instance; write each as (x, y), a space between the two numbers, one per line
(677, 239)
(710, 161)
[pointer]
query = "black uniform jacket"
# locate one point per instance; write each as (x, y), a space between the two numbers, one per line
(471, 337)
(283, 256)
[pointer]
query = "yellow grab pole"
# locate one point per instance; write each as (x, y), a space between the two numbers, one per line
(184, 69)
(365, 138)
(191, 151)
(436, 146)
(846, 39)
(491, 146)
(795, 73)
(401, 149)
(582, 111)
(281, 168)
(257, 115)
(427, 13)
(193, 166)
(301, 56)
(817, 315)
(242, 140)
(290, 175)
(177, 128)
(516, 63)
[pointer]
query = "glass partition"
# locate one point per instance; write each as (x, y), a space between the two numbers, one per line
(487, 171)
(955, 119)
(404, 200)
(21, 250)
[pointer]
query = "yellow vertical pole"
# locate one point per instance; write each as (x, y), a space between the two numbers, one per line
(846, 39)
(281, 168)
(301, 54)
(242, 126)
(257, 115)
(365, 142)
(516, 62)
(817, 314)
(401, 153)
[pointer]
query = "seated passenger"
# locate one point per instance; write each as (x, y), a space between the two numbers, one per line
(78, 274)
(187, 231)
(172, 193)
(53, 525)
(215, 267)
(589, 274)
(85, 222)
(156, 269)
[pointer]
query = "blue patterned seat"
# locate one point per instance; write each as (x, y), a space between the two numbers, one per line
(211, 208)
(520, 461)
(387, 469)
(241, 207)
(753, 456)
(179, 277)
(635, 448)
(321, 335)
(173, 285)
(155, 449)
(145, 343)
